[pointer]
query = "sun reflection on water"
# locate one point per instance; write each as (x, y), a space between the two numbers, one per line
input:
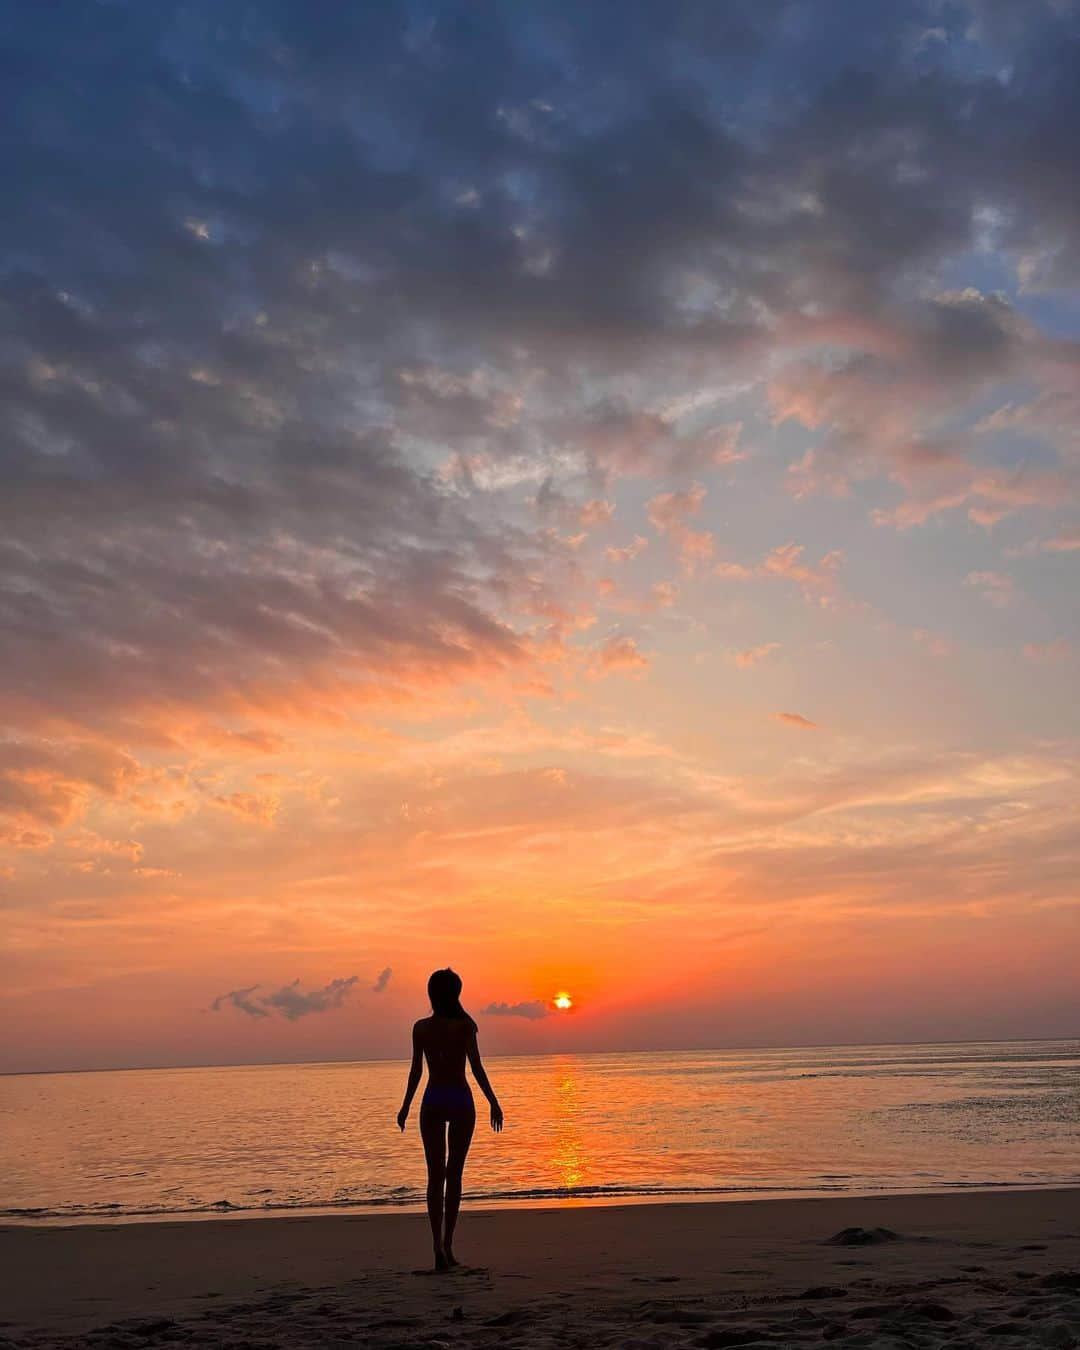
(569, 1158)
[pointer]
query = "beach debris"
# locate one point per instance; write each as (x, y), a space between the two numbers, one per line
(862, 1237)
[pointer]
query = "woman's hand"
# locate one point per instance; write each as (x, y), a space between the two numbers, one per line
(496, 1117)
(402, 1117)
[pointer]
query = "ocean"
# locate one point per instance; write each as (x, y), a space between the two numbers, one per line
(581, 1128)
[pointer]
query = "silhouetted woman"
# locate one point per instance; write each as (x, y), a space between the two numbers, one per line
(446, 1040)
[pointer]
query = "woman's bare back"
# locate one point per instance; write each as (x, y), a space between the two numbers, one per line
(446, 1042)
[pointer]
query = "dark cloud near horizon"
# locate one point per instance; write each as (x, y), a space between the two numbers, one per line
(290, 1001)
(242, 1001)
(533, 1010)
(266, 271)
(382, 980)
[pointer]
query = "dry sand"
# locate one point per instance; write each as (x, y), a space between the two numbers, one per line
(972, 1269)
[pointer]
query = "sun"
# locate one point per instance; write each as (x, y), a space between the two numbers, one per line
(563, 1001)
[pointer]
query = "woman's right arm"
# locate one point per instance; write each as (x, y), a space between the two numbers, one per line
(480, 1074)
(415, 1070)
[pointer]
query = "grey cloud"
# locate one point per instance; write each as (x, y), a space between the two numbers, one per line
(290, 1001)
(533, 1010)
(382, 980)
(242, 1001)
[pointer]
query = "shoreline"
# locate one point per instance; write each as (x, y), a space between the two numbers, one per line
(528, 1204)
(607, 1275)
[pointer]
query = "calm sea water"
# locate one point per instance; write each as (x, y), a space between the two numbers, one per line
(578, 1128)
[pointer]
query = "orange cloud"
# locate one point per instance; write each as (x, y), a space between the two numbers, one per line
(792, 719)
(252, 806)
(619, 655)
(596, 512)
(669, 513)
(627, 552)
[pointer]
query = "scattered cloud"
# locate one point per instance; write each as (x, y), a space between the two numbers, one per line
(596, 512)
(258, 808)
(793, 719)
(1057, 650)
(752, 656)
(619, 655)
(1066, 541)
(532, 1010)
(817, 581)
(382, 980)
(996, 587)
(670, 512)
(627, 552)
(664, 593)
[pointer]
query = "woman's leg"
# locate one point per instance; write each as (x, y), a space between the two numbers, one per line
(433, 1133)
(460, 1137)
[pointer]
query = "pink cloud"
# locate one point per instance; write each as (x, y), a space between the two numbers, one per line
(752, 656)
(817, 581)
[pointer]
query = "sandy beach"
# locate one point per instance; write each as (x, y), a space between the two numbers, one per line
(965, 1269)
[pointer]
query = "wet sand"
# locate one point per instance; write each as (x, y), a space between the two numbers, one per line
(971, 1269)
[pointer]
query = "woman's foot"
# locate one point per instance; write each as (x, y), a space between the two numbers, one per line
(451, 1259)
(441, 1262)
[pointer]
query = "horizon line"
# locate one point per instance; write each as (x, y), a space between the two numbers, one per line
(547, 1054)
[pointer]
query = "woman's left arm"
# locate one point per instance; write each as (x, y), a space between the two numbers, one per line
(415, 1070)
(484, 1083)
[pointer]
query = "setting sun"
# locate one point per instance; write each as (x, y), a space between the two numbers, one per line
(563, 1002)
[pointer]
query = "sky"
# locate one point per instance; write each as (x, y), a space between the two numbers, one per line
(583, 494)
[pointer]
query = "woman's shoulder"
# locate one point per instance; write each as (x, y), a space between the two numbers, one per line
(443, 1027)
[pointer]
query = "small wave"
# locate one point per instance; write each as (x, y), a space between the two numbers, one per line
(402, 1197)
